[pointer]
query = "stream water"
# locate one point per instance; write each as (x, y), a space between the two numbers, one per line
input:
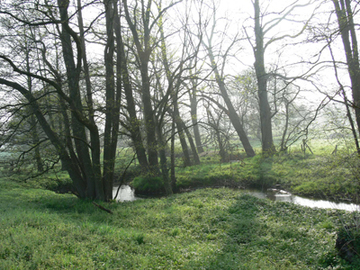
(287, 197)
(126, 193)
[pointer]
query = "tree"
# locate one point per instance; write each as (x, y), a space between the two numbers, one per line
(80, 154)
(265, 112)
(220, 80)
(344, 13)
(262, 42)
(220, 132)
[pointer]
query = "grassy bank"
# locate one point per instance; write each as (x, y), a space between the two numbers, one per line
(321, 174)
(205, 229)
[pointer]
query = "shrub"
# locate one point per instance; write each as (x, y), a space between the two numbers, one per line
(145, 185)
(348, 243)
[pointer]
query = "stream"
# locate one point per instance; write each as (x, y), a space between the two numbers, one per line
(126, 193)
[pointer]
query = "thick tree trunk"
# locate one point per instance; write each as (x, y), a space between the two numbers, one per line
(265, 112)
(93, 183)
(149, 118)
(348, 34)
(94, 133)
(111, 108)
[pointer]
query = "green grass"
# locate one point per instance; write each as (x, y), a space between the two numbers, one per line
(205, 229)
(320, 175)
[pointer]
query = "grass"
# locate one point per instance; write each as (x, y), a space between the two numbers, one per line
(204, 229)
(321, 175)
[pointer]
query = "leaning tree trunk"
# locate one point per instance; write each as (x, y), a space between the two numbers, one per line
(184, 146)
(234, 118)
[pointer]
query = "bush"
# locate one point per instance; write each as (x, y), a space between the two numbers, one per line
(348, 244)
(145, 185)
(58, 182)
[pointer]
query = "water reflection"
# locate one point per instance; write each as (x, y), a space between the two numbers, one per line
(126, 193)
(288, 197)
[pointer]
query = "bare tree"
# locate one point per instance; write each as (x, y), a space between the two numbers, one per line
(345, 19)
(220, 80)
(261, 43)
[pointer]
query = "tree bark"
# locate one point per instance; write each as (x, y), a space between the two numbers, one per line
(344, 15)
(265, 112)
(94, 185)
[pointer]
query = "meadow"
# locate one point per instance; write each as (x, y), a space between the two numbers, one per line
(205, 229)
(208, 228)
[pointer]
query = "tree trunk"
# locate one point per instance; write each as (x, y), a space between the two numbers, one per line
(94, 133)
(184, 146)
(265, 112)
(94, 186)
(347, 29)
(111, 107)
(134, 123)
(163, 161)
(193, 110)
(192, 144)
(234, 118)
(172, 156)
(143, 48)
(33, 124)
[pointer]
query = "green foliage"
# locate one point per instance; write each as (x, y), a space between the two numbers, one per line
(321, 175)
(59, 182)
(348, 242)
(204, 229)
(148, 185)
(250, 172)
